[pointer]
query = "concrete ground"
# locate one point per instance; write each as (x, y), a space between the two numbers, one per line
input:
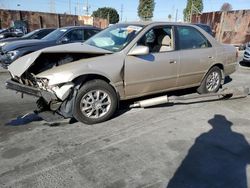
(199, 145)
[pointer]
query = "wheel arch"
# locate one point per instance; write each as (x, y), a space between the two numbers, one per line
(81, 79)
(220, 66)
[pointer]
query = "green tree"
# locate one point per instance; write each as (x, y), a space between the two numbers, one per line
(146, 9)
(226, 7)
(107, 13)
(197, 8)
(170, 17)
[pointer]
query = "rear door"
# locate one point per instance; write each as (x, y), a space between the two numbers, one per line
(196, 55)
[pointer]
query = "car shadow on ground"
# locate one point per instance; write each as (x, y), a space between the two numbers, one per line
(25, 119)
(227, 80)
(218, 158)
(244, 64)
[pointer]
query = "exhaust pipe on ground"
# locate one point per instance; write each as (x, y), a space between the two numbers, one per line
(227, 93)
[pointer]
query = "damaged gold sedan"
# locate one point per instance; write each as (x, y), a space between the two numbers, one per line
(87, 80)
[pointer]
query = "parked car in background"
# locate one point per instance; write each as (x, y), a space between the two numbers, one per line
(10, 52)
(87, 80)
(206, 27)
(246, 57)
(11, 32)
(36, 34)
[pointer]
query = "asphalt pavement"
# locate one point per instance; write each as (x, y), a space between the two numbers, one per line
(204, 144)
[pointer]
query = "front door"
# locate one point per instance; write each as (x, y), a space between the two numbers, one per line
(156, 71)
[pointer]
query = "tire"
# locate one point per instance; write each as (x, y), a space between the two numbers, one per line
(212, 81)
(95, 102)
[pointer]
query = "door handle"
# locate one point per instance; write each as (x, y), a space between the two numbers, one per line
(210, 57)
(172, 61)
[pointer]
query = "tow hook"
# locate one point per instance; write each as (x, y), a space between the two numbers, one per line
(227, 93)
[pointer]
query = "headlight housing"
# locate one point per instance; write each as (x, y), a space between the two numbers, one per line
(12, 54)
(42, 83)
(1, 36)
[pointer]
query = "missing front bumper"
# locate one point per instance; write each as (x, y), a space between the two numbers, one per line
(13, 85)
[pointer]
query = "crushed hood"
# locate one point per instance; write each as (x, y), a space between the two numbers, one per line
(19, 66)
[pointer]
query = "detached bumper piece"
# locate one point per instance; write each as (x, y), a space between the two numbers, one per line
(13, 85)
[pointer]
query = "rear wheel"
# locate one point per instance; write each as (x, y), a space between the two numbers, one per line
(212, 81)
(95, 102)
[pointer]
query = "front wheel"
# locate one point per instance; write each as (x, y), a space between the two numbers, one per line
(212, 81)
(95, 102)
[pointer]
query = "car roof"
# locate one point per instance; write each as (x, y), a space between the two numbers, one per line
(81, 27)
(201, 24)
(146, 23)
(49, 28)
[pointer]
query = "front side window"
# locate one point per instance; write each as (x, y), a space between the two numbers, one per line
(75, 35)
(159, 39)
(191, 38)
(89, 33)
(115, 38)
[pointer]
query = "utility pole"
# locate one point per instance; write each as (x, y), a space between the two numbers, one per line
(108, 18)
(191, 13)
(193, 9)
(52, 6)
(86, 7)
(176, 15)
(78, 7)
(69, 6)
(121, 11)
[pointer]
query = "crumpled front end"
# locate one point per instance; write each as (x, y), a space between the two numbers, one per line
(44, 77)
(52, 97)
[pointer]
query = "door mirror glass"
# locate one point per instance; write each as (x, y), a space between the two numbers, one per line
(139, 50)
(34, 37)
(65, 40)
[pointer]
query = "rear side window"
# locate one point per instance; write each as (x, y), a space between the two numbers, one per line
(206, 28)
(191, 38)
(89, 33)
(42, 34)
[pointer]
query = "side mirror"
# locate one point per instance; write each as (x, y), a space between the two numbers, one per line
(65, 40)
(139, 50)
(35, 36)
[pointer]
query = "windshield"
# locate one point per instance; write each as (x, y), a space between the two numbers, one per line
(115, 38)
(30, 35)
(55, 35)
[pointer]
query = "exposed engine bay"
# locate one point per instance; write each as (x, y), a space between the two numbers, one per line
(49, 60)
